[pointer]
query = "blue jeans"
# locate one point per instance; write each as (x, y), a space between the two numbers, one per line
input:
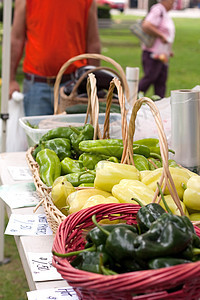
(38, 98)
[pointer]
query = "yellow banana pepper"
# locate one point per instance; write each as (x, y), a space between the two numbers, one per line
(195, 216)
(179, 176)
(99, 199)
(61, 189)
(128, 189)
(173, 207)
(190, 172)
(77, 200)
(144, 173)
(191, 196)
(108, 174)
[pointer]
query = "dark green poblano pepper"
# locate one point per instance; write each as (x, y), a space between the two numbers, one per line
(168, 235)
(119, 242)
(163, 262)
(90, 261)
(98, 237)
(147, 214)
(50, 167)
(93, 259)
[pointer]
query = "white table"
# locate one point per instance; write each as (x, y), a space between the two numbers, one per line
(25, 244)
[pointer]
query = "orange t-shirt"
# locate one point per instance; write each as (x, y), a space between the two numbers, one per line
(56, 32)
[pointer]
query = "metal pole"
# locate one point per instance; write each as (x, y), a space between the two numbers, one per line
(7, 8)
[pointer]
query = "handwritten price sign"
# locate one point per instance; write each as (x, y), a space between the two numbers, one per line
(64, 293)
(28, 225)
(42, 268)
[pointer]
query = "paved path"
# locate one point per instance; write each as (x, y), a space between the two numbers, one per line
(185, 13)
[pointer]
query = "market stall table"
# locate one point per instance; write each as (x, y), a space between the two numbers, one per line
(26, 244)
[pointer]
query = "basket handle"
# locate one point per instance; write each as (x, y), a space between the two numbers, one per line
(116, 83)
(87, 56)
(166, 177)
(93, 105)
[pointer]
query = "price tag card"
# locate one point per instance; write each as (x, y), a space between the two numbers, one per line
(42, 268)
(19, 195)
(28, 225)
(20, 173)
(65, 293)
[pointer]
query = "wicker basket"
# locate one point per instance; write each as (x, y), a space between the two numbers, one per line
(54, 215)
(177, 282)
(62, 101)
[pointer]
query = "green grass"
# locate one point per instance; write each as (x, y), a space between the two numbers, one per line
(125, 49)
(13, 284)
(183, 68)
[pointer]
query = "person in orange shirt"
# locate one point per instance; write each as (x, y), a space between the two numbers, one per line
(49, 33)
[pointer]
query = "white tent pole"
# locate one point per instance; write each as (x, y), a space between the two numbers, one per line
(7, 9)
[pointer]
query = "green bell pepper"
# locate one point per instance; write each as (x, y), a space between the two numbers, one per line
(81, 177)
(154, 163)
(61, 146)
(37, 149)
(59, 132)
(91, 159)
(111, 147)
(50, 166)
(173, 163)
(86, 185)
(152, 143)
(69, 165)
(87, 133)
(141, 162)
(108, 147)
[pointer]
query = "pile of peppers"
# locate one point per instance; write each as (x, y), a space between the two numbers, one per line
(158, 240)
(72, 152)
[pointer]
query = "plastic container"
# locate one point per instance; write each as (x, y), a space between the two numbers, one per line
(45, 123)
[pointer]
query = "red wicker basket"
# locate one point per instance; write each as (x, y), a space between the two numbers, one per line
(177, 282)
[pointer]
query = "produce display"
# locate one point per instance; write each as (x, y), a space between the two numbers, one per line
(69, 159)
(159, 239)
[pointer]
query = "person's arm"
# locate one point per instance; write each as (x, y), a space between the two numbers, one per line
(93, 44)
(153, 30)
(18, 35)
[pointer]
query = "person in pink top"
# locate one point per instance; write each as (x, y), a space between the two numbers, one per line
(155, 60)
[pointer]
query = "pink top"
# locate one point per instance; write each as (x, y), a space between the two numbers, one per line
(159, 17)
